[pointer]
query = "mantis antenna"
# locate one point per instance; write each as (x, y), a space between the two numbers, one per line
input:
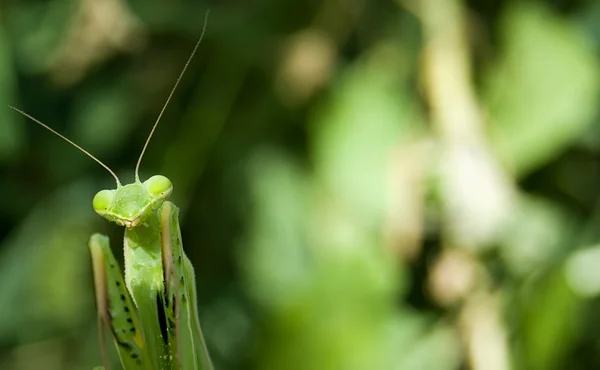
(68, 141)
(137, 166)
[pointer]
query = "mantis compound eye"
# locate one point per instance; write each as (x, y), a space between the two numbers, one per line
(159, 186)
(102, 200)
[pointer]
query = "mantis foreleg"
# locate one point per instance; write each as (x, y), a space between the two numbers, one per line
(115, 309)
(181, 299)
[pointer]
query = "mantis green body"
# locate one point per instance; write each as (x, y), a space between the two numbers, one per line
(151, 312)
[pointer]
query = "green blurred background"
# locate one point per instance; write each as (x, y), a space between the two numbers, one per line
(409, 184)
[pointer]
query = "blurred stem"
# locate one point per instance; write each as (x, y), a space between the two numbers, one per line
(483, 332)
(456, 115)
(446, 69)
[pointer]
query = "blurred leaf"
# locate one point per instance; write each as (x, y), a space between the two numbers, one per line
(549, 322)
(581, 270)
(38, 28)
(276, 259)
(44, 268)
(103, 118)
(357, 130)
(543, 93)
(326, 285)
(535, 235)
(435, 349)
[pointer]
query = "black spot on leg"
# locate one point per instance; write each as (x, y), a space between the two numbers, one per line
(125, 345)
(129, 320)
(123, 297)
(126, 309)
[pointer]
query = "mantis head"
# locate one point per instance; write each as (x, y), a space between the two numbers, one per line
(129, 205)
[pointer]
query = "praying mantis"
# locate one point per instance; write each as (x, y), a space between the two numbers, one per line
(151, 312)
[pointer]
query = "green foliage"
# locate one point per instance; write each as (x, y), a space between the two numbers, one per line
(403, 185)
(548, 67)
